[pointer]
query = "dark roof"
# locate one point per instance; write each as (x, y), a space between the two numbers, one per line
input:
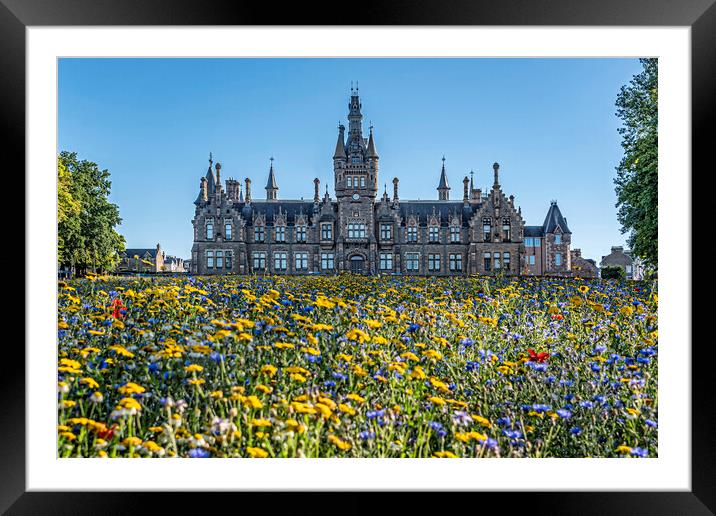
(140, 252)
(443, 179)
(271, 183)
(371, 152)
(340, 147)
(444, 210)
(553, 219)
(534, 231)
(292, 209)
(616, 257)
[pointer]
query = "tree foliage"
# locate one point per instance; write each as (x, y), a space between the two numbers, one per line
(86, 219)
(613, 272)
(637, 174)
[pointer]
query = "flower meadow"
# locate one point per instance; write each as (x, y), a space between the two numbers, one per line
(356, 366)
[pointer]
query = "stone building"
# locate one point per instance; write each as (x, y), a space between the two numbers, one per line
(583, 267)
(141, 260)
(620, 258)
(482, 232)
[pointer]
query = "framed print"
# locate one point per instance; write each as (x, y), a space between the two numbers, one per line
(332, 314)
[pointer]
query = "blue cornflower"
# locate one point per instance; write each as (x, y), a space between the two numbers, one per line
(199, 453)
(565, 414)
(366, 435)
(651, 423)
(512, 434)
(639, 452)
(575, 430)
(540, 407)
(586, 404)
(413, 327)
(504, 421)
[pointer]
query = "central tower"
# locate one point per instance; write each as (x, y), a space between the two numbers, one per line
(355, 169)
(355, 161)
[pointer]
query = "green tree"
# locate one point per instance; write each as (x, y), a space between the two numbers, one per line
(613, 272)
(637, 174)
(86, 229)
(68, 210)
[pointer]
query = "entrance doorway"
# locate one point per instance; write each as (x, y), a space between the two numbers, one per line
(357, 264)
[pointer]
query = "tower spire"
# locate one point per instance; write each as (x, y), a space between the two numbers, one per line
(443, 187)
(271, 185)
(371, 152)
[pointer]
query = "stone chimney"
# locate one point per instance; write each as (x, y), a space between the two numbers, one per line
(248, 190)
(316, 196)
(395, 189)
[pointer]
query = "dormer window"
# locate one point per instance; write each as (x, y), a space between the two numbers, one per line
(434, 234)
(386, 231)
(259, 234)
(280, 233)
(412, 233)
(558, 238)
(300, 233)
(454, 234)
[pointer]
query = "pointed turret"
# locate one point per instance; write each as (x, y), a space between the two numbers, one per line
(340, 145)
(271, 186)
(555, 219)
(210, 177)
(443, 188)
(371, 153)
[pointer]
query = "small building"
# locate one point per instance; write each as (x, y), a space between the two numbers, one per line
(583, 267)
(141, 260)
(620, 258)
(174, 264)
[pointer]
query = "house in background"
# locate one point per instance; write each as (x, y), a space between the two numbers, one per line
(620, 258)
(141, 260)
(174, 264)
(583, 267)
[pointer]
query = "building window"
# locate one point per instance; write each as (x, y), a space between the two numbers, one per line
(558, 259)
(412, 262)
(259, 261)
(529, 242)
(433, 262)
(386, 231)
(362, 181)
(356, 230)
(434, 234)
(327, 261)
(557, 239)
(227, 231)
(301, 261)
(506, 233)
(488, 261)
(227, 258)
(280, 261)
(496, 258)
(486, 229)
(412, 234)
(349, 181)
(258, 234)
(210, 259)
(326, 231)
(531, 259)
(454, 234)
(455, 262)
(300, 233)
(219, 259)
(386, 261)
(280, 233)
(210, 231)
(506, 261)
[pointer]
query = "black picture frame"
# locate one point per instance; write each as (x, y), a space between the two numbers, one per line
(700, 15)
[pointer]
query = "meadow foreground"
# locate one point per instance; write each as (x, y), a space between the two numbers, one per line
(354, 366)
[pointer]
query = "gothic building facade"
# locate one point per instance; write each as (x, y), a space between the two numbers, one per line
(357, 231)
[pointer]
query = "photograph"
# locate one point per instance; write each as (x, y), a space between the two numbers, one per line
(378, 257)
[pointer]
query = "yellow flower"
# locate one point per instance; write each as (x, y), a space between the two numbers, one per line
(437, 400)
(298, 378)
(257, 453)
(90, 382)
(357, 335)
(264, 388)
(347, 409)
(295, 426)
(339, 443)
(444, 455)
(260, 422)
(132, 441)
(483, 421)
(131, 388)
(269, 370)
(252, 402)
(194, 368)
(355, 397)
(372, 324)
(68, 435)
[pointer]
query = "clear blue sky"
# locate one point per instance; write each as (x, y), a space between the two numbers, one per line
(550, 123)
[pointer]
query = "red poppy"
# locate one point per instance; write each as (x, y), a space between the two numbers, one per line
(119, 308)
(107, 434)
(537, 357)
(558, 316)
